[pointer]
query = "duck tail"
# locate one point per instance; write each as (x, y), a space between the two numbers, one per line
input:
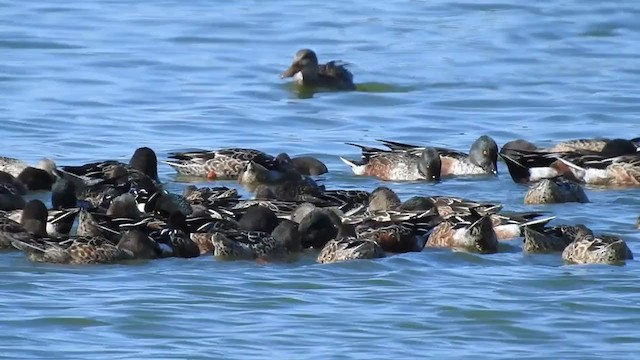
(396, 146)
(540, 222)
(27, 246)
(519, 172)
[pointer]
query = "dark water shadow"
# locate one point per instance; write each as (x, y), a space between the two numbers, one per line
(307, 92)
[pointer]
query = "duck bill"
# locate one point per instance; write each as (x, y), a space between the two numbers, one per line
(492, 169)
(292, 70)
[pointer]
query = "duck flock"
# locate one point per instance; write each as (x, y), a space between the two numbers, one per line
(112, 212)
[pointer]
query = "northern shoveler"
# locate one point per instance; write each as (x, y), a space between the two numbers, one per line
(349, 248)
(472, 232)
(221, 164)
(555, 191)
(249, 245)
(88, 250)
(481, 159)
(552, 239)
(33, 223)
(613, 166)
(602, 249)
(397, 166)
(305, 70)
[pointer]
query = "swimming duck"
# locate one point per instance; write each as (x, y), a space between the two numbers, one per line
(580, 166)
(397, 166)
(308, 165)
(39, 177)
(396, 236)
(88, 250)
(472, 232)
(602, 249)
(555, 191)
(621, 171)
(306, 71)
(590, 145)
(552, 239)
(11, 191)
(211, 196)
(174, 239)
(481, 159)
(383, 198)
(349, 248)
(249, 245)
(222, 164)
(33, 223)
(143, 162)
(288, 185)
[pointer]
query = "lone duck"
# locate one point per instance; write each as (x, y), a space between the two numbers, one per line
(305, 70)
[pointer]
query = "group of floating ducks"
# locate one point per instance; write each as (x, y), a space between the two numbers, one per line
(123, 212)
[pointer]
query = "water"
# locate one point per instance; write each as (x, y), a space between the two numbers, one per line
(94, 80)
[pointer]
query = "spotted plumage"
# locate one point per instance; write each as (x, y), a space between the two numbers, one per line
(218, 164)
(555, 191)
(349, 248)
(12, 166)
(602, 249)
(246, 245)
(87, 250)
(552, 239)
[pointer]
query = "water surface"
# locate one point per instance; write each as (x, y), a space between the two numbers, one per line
(90, 80)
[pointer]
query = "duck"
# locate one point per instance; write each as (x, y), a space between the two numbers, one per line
(143, 163)
(398, 166)
(212, 196)
(174, 239)
(482, 158)
(251, 245)
(64, 208)
(306, 71)
(221, 164)
(473, 232)
(32, 224)
(289, 185)
(319, 226)
(349, 248)
(309, 165)
(552, 239)
(555, 191)
(601, 249)
(588, 167)
(88, 250)
(39, 177)
(507, 225)
(406, 233)
(12, 166)
(620, 171)
(11, 192)
(590, 145)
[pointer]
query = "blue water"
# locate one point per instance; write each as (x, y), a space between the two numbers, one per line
(88, 80)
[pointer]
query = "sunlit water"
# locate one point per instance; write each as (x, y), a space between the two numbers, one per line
(96, 79)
